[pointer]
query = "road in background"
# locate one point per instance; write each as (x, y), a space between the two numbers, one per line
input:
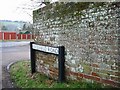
(11, 44)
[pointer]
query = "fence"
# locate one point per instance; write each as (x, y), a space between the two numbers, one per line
(24, 36)
(14, 36)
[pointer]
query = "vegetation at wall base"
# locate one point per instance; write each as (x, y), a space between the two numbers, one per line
(22, 77)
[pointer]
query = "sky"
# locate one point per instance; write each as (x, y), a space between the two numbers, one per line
(19, 10)
(13, 10)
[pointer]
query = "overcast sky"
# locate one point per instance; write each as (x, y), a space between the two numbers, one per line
(16, 10)
(13, 10)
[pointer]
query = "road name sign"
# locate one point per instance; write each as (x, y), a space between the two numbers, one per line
(59, 51)
(46, 49)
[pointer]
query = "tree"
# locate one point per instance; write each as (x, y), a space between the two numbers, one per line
(24, 27)
(4, 28)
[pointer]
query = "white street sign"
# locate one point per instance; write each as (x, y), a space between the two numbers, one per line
(46, 49)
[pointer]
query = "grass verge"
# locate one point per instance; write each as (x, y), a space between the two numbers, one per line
(22, 77)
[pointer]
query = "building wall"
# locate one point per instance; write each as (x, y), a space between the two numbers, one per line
(91, 42)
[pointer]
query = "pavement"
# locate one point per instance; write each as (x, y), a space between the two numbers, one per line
(11, 52)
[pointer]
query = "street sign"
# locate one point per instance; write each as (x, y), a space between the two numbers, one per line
(59, 51)
(46, 49)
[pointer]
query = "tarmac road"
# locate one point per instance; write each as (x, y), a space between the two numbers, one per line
(13, 43)
(11, 54)
(8, 55)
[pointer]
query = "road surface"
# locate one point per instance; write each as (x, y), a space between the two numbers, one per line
(11, 54)
(10, 44)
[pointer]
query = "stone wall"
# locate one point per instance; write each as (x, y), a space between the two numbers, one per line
(90, 37)
(46, 64)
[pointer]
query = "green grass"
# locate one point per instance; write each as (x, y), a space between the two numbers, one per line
(22, 77)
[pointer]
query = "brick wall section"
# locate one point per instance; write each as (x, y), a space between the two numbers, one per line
(45, 64)
(91, 42)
